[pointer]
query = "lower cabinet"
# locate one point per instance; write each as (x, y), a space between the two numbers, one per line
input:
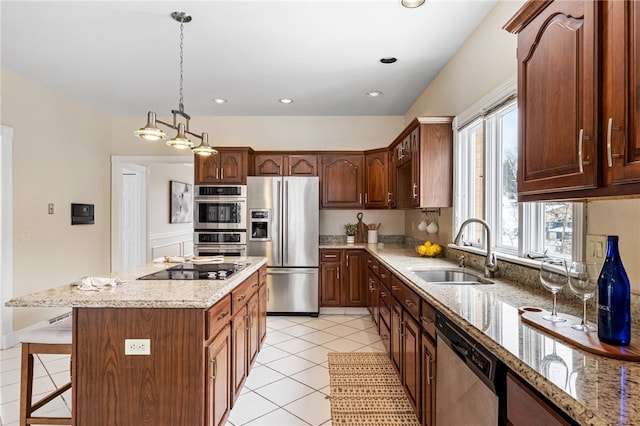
(218, 378)
(253, 328)
(411, 360)
(342, 281)
(428, 384)
(238, 353)
(525, 408)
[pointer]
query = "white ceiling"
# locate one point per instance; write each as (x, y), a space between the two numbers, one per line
(122, 57)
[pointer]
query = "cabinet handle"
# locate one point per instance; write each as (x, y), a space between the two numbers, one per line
(388, 197)
(366, 198)
(222, 315)
(214, 368)
(347, 261)
(609, 126)
(394, 288)
(360, 198)
(580, 137)
(332, 256)
(221, 174)
(338, 273)
(429, 367)
(409, 302)
(241, 298)
(383, 275)
(383, 294)
(415, 190)
(217, 172)
(426, 319)
(289, 169)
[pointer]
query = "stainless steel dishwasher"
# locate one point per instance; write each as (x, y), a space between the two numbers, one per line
(470, 381)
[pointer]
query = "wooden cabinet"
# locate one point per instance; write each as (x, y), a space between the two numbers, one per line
(253, 334)
(218, 378)
(428, 383)
(280, 164)
(376, 179)
(395, 328)
(341, 178)
(342, 278)
(577, 98)
(526, 408)
(424, 164)
(621, 91)
(225, 167)
(238, 353)
(263, 295)
(411, 366)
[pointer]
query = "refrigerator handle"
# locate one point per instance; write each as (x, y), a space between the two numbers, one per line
(285, 227)
(278, 246)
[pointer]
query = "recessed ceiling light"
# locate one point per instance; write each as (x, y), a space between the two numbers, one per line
(286, 100)
(388, 60)
(220, 100)
(412, 3)
(374, 93)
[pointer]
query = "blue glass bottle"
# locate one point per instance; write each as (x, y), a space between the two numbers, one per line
(614, 298)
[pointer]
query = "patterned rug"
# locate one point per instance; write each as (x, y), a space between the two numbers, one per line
(365, 390)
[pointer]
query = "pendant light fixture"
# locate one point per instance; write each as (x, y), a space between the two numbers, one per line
(152, 132)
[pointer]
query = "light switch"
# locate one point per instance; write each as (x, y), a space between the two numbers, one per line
(596, 248)
(50, 207)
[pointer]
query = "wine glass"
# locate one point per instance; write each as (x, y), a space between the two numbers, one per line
(553, 276)
(583, 283)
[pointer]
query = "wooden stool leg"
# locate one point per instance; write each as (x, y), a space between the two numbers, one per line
(26, 384)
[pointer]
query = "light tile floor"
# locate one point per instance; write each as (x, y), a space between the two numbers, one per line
(288, 384)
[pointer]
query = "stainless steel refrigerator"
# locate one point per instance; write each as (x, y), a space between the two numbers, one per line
(283, 225)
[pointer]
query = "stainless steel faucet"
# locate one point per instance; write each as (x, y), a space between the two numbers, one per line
(490, 263)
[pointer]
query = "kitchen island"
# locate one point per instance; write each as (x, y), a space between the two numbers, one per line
(201, 337)
(590, 389)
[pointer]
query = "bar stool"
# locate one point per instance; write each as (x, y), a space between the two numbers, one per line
(53, 339)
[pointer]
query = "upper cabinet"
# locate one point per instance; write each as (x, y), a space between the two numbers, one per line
(423, 158)
(577, 136)
(376, 179)
(341, 178)
(225, 167)
(278, 164)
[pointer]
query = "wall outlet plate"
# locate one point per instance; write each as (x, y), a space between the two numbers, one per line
(137, 346)
(596, 248)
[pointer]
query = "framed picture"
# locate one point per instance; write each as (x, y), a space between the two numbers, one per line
(181, 196)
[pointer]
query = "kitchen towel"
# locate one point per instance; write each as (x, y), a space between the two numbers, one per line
(96, 283)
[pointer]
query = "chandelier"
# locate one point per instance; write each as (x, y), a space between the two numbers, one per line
(152, 132)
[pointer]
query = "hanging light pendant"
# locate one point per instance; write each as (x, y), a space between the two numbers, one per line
(152, 132)
(204, 148)
(180, 141)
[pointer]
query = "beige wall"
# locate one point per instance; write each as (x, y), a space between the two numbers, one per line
(61, 155)
(270, 133)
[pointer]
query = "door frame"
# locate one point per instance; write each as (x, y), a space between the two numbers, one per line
(120, 163)
(8, 337)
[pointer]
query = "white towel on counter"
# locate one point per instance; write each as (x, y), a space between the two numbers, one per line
(171, 259)
(96, 283)
(197, 260)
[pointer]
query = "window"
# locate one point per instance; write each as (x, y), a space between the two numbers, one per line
(486, 160)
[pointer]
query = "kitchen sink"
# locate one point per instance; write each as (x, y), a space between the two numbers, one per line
(450, 276)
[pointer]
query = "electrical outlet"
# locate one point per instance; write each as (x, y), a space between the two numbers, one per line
(137, 346)
(25, 236)
(596, 248)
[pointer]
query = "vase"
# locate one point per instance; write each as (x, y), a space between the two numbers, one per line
(351, 239)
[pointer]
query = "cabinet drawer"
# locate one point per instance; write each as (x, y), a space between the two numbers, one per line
(385, 334)
(262, 275)
(241, 294)
(385, 312)
(217, 317)
(428, 319)
(330, 255)
(411, 302)
(372, 263)
(384, 275)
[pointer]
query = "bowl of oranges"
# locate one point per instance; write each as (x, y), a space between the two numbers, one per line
(429, 249)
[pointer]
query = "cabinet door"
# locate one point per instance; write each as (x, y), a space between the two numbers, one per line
(233, 168)
(218, 379)
(302, 165)
(269, 165)
(432, 164)
(622, 92)
(414, 145)
(376, 180)
(341, 181)
(238, 352)
(428, 395)
(263, 294)
(207, 169)
(393, 164)
(557, 88)
(353, 279)
(411, 360)
(525, 408)
(330, 293)
(396, 335)
(253, 335)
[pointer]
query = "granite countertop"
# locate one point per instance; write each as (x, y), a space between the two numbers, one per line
(593, 390)
(133, 293)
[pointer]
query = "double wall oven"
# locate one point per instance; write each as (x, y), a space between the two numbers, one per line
(220, 220)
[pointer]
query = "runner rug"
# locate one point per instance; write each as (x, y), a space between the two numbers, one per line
(365, 390)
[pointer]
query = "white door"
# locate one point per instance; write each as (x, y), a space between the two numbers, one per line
(133, 235)
(6, 239)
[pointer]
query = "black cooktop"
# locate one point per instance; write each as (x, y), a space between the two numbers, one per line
(190, 271)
